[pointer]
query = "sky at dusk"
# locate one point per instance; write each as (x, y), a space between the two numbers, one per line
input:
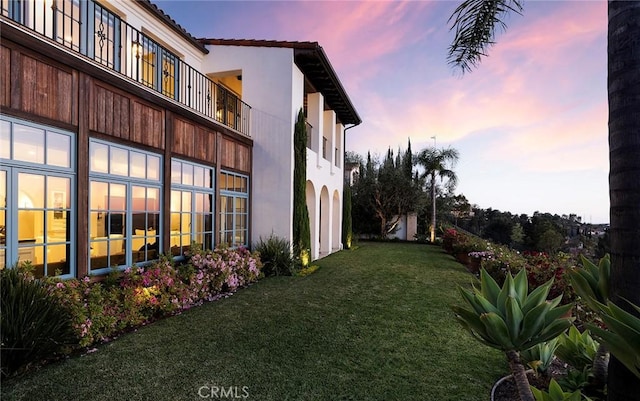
(530, 122)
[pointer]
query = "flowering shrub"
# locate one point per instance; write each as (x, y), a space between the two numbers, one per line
(502, 261)
(153, 291)
(541, 268)
(466, 244)
(138, 295)
(219, 271)
(450, 233)
(481, 254)
(93, 309)
(449, 237)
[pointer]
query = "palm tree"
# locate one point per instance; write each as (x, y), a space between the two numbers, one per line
(437, 162)
(475, 22)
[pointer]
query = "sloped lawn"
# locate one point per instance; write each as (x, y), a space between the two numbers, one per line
(370, 324)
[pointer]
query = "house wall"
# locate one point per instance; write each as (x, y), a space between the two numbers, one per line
(49, 85)
(273, 86)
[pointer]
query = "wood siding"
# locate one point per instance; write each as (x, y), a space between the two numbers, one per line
(110, 112)
(124, 116)
(194, 141)
(235, 155)
(148, 125)
(37, 87)
(5, 78)
(38, 83)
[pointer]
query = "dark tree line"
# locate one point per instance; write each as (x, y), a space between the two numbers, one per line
(387, 189)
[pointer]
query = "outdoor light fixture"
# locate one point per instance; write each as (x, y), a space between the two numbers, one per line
(136, 48)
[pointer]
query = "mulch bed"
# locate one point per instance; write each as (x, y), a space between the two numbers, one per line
(507, 390)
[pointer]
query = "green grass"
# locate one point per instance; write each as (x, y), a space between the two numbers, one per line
(369, 324)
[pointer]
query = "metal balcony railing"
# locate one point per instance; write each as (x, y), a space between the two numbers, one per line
(93, 31)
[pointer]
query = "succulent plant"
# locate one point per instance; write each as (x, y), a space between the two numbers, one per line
(622, 336)
(511, 319)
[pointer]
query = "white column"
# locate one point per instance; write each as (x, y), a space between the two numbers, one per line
(315, 107)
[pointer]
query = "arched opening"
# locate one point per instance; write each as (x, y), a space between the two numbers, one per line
(336, 223)
(313, 219)
(324, 223)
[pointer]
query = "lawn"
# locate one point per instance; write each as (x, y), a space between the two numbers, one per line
(370, 324)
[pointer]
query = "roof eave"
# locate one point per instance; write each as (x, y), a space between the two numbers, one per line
(341, 105)
(171, 23)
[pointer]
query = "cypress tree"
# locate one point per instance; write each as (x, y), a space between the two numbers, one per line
(301, 230)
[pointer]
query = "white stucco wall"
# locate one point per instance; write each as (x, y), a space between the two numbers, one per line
(269, 81)
(274, 88)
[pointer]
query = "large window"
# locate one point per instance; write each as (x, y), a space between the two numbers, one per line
(124, 206)
(234, 210)
(192, 195)
(37, 197)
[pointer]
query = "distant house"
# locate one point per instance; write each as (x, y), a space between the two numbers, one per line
(351, 172)
(123, 137)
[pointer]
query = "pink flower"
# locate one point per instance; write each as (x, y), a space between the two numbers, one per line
(60, 285)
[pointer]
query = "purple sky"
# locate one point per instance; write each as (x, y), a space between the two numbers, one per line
(530, 123)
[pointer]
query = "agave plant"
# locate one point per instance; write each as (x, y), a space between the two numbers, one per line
(577, 349)
(557, 394)
(512, 320)
(540, 356)
(591, 283)
(622, 336)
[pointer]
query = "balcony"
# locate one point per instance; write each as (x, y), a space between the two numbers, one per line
(90, 30)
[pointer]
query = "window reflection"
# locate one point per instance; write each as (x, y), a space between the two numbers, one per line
(41, 201)
(138, 163)
(58, 150)
(124, 216)
(191, 206)
(153, 167)
(234, 215)
(5, 139)
(99, 157)
(119, 161)
(28, 144)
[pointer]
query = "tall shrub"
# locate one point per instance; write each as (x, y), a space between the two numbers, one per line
(347, 229)
(301, 229)
(34, 325)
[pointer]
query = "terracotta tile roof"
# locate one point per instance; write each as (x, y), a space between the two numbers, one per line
(315, 65)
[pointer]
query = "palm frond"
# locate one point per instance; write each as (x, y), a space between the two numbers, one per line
(475, 22)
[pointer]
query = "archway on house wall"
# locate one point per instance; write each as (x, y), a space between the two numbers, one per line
(313, 221)
(325, 222)
(336, 223)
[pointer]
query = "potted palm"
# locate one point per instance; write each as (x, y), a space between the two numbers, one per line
(511, 319)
